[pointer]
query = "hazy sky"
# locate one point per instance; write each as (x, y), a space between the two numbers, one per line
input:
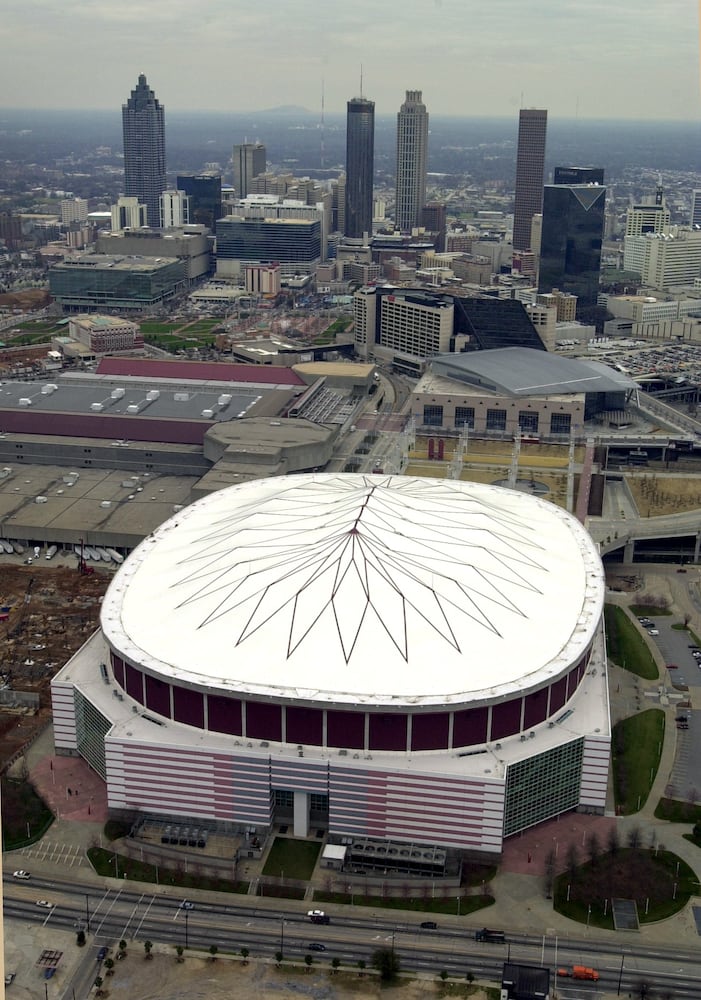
(599, 58)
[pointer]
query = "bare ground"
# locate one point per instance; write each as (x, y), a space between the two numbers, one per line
(164, 978)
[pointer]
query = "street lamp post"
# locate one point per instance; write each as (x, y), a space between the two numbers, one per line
(87, 912)
(186, 937)
(282, 935)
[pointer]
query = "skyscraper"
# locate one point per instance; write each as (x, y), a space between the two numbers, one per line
(143, 126)
(204, 191)
(530, 165)
(360, 161)
(249, 161)
(570, 248)
(412, 160)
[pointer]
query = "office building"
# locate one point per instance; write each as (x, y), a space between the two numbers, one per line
(578, 175)
(249, 161)
(696, 209)
(412, 161)
(190, 244)
(360, 160)
(650, 216)
(263, 279)
(483, 606)
(100, 282)
(570, 250)
(665, 260)
(288, 235)
(530, 165)
(128, 213)
(204, 192)
(74, 210)
(143, 125)
(106, 334)
(175, 209)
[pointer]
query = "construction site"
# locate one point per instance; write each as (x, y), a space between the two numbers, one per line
(46, 614)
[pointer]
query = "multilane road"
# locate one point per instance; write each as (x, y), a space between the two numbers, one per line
(231, 924)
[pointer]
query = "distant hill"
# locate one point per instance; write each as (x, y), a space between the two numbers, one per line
(285, 109)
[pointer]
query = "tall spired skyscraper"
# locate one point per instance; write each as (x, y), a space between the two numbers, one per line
(143, 125)
(360, 163)
(530, 166)
(412, 160)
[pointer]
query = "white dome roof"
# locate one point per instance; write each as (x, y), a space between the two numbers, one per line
(352, 589)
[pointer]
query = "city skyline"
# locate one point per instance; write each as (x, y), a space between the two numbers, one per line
(577, 60)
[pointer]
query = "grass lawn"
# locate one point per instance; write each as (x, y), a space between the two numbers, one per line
(29, 339)
(418, 904)
(152, 326)
(676, 811)
(626, 646)
(650, 610)
(637, 745)
(103, 862)
(658, 881)
(296, 858)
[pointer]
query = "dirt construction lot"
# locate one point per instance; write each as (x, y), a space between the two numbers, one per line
(47, 612)
(164, 978)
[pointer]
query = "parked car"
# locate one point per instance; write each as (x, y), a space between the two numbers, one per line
(102, 953)
(22, 874)
(428, 925)
(672, 666)
(696, 653)
(45, 904)
(644, 621)
(187, 905)
(316, 946)
(318, 917)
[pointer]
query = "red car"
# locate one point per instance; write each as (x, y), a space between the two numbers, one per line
(672, 666)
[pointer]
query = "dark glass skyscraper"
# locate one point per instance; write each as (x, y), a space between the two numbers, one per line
(204, 191)
(570, 248)
(360, 161)
(143, 125)
(530, 164)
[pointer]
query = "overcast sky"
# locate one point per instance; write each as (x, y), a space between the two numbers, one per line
(600, 58)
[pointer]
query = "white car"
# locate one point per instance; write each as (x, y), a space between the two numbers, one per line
(21, 874)
(653, 631)
(45, 904)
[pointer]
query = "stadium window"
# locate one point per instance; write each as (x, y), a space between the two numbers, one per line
(560, 423)
(433, 416)
(496, 420)
(465, 415)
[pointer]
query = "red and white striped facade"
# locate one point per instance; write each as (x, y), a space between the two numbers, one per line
(200, 687)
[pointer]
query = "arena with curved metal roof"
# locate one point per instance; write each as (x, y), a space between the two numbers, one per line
(521, 371)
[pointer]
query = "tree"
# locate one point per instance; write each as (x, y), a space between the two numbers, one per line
(122, 948)
(179, 951)
(594, 848)
(244, 955)
(335, 962)
(572, 860)
(361, 966)
(278, 958)
(147, 949)
(213, 952)
(98, 986)
(80, 938)
(109, 965)
(634, 837)
(613, 842)
(386, 961)
(549, 873)
(470, 977)
(308, 961)
(443, 974)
